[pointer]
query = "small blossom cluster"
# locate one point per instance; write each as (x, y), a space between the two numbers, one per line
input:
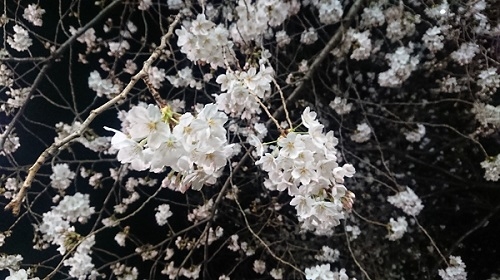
(402, 64)
(21, 40)
(465, 53)
(306, 165)
(33, 13)
(433, 39)
(397, 228)
(341, 106)
(455, 271)
(323, 272)
(61, 176)
(184, 78)
(491, 168)
(103, 87)
(56, 228)
(203, 40)
(359, 41)
(194, 148)
(16, 99)
(487, 114)
(415, 135)
(241, 88)
(362, 133)
(407, 201)
(489, 81)
(255, 19)
(330, 11)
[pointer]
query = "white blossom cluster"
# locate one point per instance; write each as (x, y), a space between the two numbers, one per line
(323, 272)
(362, 133)
(359, 41)
(184, 78)
(407, 201)
(88, 37)
(372, 16)
(162, 214)
(340, 106)
(90, 141)
(11, 144)
(489, 81)
(397, 228)
(487, 114)
(203, 40)
(433, 39)
(123, 272)
(55, 226)
(491, 168)
(465, 53)
(33, 13)
(156, 76)
(61, 176)
(309, 36)
(6, 76)
(21, 40)
(330, 11)
(80, 263)
(194, 148)
(400, 23)
(254, 20)
(415, 135)
(240, 90)
(13, 263)
(103, 87)
(455, 271)
(327, 254)
(193, 272)
(402, 64)
(306, 165)
(17, 97)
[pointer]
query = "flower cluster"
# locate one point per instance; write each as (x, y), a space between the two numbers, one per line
(456, 270)
(415, 135)
(241, 88)
(402, 64)
(491, 168)
(465, 53)
(103, 87)
(61, 176)
(21, 40)
(397, 228)
(203, 40)
(33, 13)
(55, 226)
(362, 133)
(407, 201)
(254, 19)
(306, 165)
(194, 148)
(323, 272)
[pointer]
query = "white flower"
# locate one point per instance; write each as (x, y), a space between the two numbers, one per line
(61, 176)
(33, 13)
(362, 133)
(163, 214)
(397, 228)
(103, 87)
(259, 266)
(456, 270)
(309, 36)
(319, 272)
(407, 201)
(415, 135)
(21, 40)
(465, 53)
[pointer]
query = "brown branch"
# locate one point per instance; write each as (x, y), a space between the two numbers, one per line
(15, 204)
